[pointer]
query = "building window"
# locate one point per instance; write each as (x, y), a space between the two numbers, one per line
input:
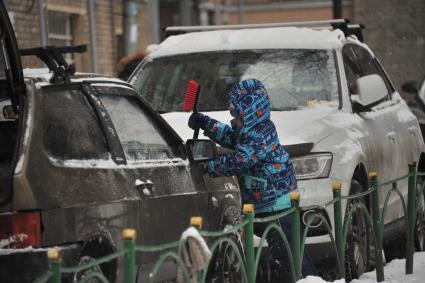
(60, 30)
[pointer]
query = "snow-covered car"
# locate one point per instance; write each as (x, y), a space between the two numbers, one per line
(334, 107)
(83, 157)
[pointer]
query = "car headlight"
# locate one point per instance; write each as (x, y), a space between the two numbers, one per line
(312, 166)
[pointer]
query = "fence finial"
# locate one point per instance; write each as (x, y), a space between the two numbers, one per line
(295, 195)
(53, 255)
(196, 221)
(412, 163)
(248, 208)
(373, 174)
(129, 234)
(336, 186)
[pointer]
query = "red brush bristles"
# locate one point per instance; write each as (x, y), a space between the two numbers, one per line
(192, 91)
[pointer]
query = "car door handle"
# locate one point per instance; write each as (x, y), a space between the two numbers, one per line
(214, 202)
(147, 187)
(412, 130)
(391, 136)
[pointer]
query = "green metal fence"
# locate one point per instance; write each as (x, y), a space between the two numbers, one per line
(248, 258)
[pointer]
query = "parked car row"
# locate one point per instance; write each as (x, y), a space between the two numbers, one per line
(83, 156)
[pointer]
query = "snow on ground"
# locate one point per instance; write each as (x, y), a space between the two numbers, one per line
(394, 273)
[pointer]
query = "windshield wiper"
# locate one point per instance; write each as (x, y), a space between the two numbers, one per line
(285, 109)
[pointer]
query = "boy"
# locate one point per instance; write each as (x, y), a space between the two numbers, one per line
(264, 170)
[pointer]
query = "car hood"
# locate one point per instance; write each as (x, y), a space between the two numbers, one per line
(294, 127)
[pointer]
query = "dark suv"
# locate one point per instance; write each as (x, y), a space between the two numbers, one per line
(82, 158)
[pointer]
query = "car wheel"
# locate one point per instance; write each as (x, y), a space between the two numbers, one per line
(358, 248)
(96, 247)
(420, 215)
(225, 266)
(80, 275)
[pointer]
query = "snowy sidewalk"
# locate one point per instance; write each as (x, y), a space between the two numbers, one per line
(394, 273)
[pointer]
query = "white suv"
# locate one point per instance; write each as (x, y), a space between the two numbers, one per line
(335, 109)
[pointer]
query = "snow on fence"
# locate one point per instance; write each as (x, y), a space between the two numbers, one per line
(247, 258)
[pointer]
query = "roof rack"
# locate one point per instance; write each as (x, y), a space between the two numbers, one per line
(356, 29)
(52, 56)
(342, 24)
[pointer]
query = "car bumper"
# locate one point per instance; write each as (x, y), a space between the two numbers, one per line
(25, 265)
(319, 192)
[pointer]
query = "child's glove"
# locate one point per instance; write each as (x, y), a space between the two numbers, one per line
(197, 120)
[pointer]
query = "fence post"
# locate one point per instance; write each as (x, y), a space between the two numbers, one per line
(373, 177)
(129, 236)
(54, 259)
(336, 188)
(411, 213)
(248, 210)
(296, 234)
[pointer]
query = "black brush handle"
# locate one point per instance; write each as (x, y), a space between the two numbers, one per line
(195, 110)
(195, 134)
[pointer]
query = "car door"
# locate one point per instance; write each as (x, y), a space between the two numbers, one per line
(385, 136)
(12, 89)
(161, 176)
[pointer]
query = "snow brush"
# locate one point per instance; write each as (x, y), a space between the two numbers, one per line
(191, 99)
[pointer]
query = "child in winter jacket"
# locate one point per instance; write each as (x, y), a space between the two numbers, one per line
(264, 170)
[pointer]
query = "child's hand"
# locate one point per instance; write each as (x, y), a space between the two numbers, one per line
(197, 120)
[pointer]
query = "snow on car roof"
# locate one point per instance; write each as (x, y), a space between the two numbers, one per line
(44, 76)
(264, 38)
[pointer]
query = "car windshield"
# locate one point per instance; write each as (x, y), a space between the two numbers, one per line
(294, 78)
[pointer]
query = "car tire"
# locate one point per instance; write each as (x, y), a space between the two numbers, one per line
(225, 266)
(420, 215)
(96, 247)
(358, 248)
(78, 276)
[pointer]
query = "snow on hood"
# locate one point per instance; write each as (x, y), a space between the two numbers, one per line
(300, 126)
(220, 40)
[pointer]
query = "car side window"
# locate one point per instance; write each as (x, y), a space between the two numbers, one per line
(352, 73)
(358, 62)
(369, 66)
(140, 137)
(71, 129)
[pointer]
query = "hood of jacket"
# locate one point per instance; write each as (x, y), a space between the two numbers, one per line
(251, 102)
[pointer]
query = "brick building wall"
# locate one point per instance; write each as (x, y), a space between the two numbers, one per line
(108, 22)
(290, 14)
(395, 31)
(269, 11)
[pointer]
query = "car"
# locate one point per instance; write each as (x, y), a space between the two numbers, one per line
(82, 157)
(335, 109)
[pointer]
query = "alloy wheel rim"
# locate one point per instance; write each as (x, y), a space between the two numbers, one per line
(360, 244)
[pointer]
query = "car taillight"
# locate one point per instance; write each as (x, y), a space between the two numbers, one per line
(20, 229)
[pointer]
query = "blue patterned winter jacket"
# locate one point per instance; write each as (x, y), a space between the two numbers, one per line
(264, 169)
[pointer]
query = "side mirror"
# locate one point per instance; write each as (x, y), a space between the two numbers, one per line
(201, 150)
(410, 87)
(371, 89)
